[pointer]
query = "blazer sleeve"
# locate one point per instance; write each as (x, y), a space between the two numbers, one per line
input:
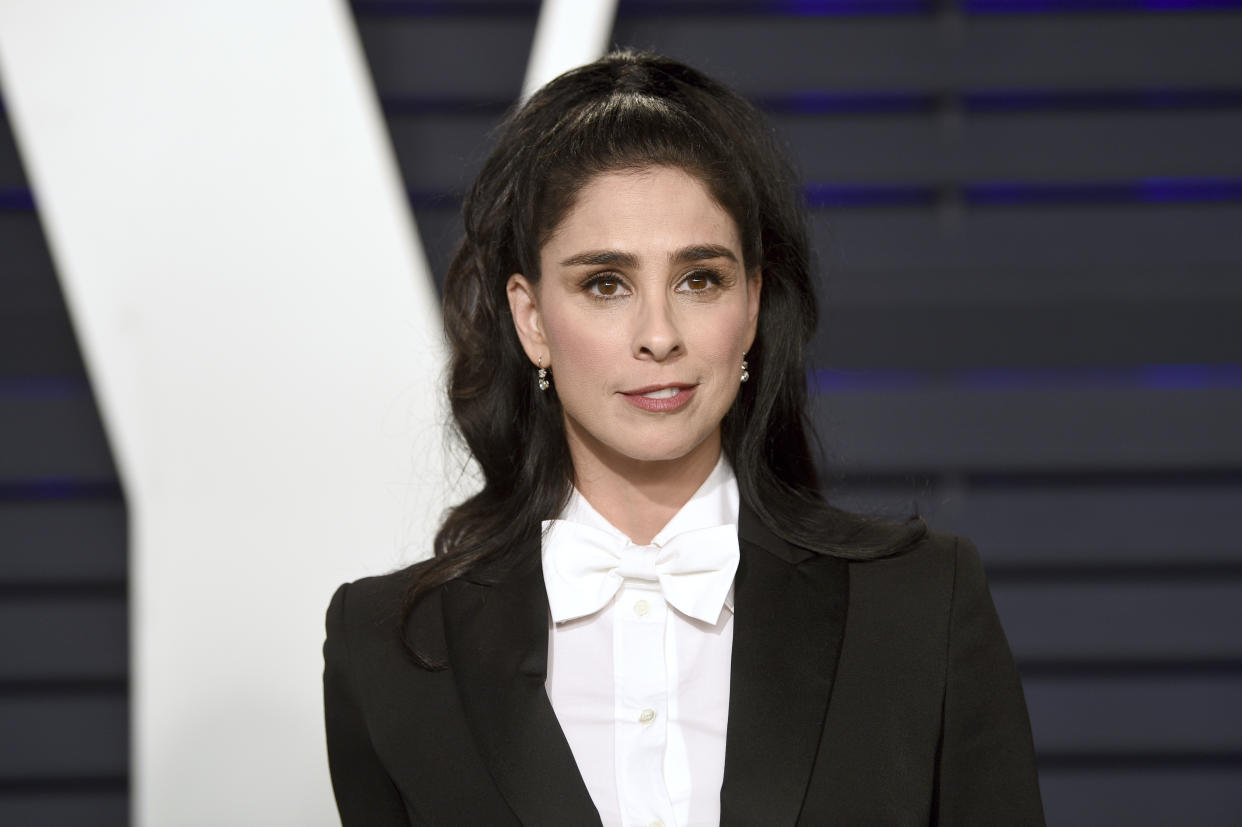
(986, 772)
(365, 794)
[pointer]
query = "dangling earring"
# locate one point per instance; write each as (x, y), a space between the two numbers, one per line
(543, 382)
(745, 372)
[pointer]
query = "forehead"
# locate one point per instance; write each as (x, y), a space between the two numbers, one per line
(643, 210)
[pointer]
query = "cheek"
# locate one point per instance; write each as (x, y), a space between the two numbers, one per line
(579, 346)
(723, 340)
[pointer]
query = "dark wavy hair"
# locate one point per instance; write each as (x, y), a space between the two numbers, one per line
(629, 110)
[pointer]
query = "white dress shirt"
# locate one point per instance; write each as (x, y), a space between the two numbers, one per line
(641, 689)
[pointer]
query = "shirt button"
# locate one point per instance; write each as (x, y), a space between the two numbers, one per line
(641, 608)
(646, 716)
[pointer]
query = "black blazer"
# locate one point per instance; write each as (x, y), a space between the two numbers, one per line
(863, 693)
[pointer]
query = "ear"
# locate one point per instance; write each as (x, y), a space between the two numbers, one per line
(754, 287)
(524, 308)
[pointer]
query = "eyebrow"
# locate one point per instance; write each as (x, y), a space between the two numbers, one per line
(701, 252)
(617, 258)
(602, 257)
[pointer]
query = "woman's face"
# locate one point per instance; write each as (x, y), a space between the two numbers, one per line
(643, 313)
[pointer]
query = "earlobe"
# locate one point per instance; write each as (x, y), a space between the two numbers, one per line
(524, 308)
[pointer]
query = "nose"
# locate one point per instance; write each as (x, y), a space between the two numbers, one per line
(656, 335)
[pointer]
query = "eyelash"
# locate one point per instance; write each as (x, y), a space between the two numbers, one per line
(714, 277)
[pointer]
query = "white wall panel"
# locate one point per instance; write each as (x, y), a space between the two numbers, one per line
(241, 269)
(569, 33)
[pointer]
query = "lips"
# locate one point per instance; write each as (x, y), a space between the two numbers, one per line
(659, 398)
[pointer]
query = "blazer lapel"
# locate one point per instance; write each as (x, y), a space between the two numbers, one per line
(497, 639)
(788, 624)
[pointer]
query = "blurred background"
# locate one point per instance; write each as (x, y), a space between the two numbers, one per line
(1028, 220)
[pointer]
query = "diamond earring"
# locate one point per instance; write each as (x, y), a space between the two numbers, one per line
(543, 382)
(745, 372)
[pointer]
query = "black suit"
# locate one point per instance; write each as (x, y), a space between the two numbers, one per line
(863, 693)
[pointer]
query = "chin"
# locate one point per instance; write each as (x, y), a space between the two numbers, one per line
(645, 448)
(640, 440)
(657, 456)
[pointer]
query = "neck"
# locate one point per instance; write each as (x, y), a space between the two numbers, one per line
(639, 497)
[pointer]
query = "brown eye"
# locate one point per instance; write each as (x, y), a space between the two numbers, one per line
(605, 286)
(700, 281)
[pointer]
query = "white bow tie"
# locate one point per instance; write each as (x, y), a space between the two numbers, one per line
(583, 568)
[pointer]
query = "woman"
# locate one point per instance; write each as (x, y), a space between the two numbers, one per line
(648, 615)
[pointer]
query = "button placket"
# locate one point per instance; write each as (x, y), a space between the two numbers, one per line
(641, 697)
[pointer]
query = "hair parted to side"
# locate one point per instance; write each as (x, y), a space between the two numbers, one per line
(628, 110)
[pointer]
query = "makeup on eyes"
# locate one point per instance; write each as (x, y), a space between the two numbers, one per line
(711, 277)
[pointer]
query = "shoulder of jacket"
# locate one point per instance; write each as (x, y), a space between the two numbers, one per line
(925, 581)
(940, 550)
(374, 600)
